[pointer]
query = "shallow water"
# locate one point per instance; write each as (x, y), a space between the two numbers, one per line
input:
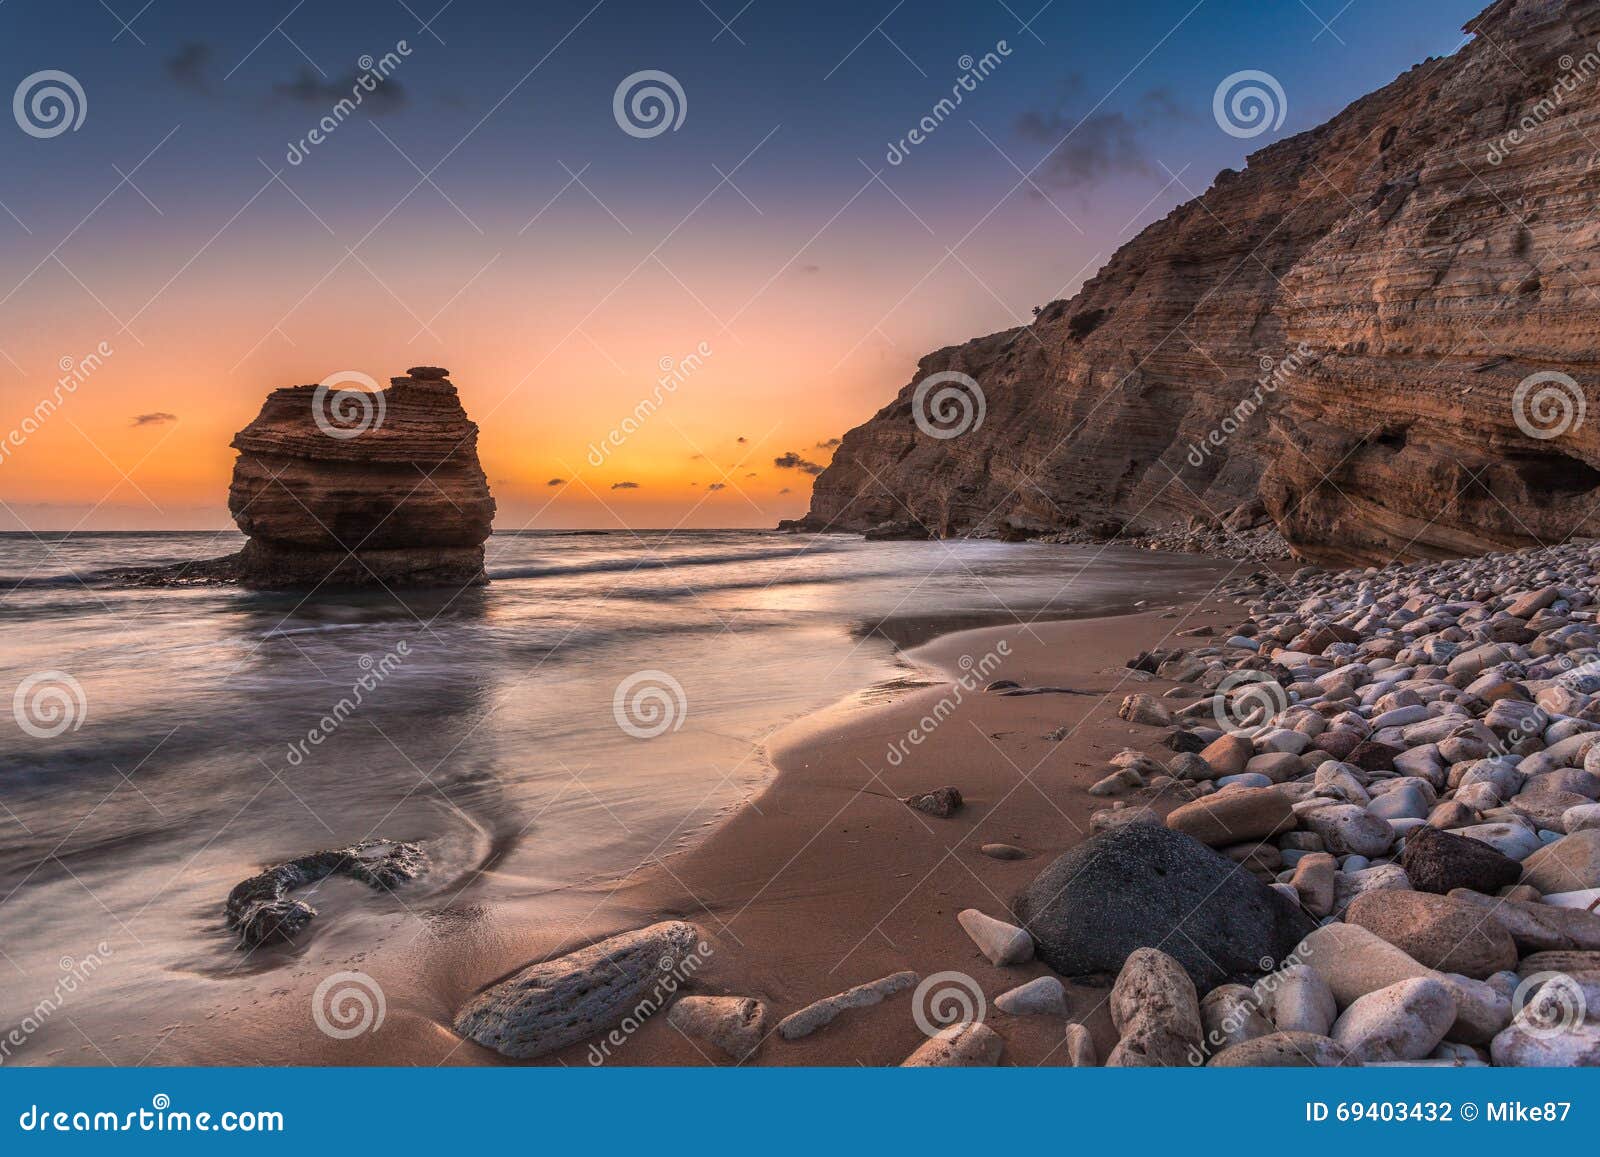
(204, 733)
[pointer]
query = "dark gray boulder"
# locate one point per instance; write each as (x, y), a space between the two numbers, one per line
(1141, 886)
(1437, 861)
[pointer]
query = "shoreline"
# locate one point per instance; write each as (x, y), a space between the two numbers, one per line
(823, 879)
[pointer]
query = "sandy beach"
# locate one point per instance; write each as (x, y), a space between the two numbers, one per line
(825, 880)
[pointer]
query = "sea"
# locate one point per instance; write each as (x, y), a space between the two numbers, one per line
(598, 705)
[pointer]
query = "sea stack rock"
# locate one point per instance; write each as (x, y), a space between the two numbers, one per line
(341, 484)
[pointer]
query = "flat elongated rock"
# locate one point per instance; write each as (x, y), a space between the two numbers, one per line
(969, 1044)
(1403, 1022)
(559, 1002)
(1437, 931)
(1234, 816)
(1537, 927)
(1570, 863)
(1520, 1046)
(813, 1016)
(1353, 961)
(1142, 886)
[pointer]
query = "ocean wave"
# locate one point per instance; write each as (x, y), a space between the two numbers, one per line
(669, 562)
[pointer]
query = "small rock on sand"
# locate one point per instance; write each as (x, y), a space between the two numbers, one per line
(969, 1044)
(1080, 1048)
(1044, 996)
(1004, 944)
(1003, 852)
(735, 1024)
(813, 1016)
(559, 1002)
(942, 802)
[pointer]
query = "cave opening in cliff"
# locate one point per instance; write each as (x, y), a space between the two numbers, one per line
(1556, 475)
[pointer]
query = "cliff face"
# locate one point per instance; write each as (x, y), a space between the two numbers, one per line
(350, 488)
(1340, 332)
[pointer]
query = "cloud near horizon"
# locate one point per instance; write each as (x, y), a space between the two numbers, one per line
(624, 486)
(157, 418)
(793, 461)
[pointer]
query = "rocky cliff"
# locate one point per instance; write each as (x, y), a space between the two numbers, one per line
(1381, 330)
(348, 487)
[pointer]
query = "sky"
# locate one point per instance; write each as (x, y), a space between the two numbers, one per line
(186, 238)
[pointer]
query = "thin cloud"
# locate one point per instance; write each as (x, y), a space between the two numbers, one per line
(717, 486)
(1087, 148)
(556, 482)
(309, 89)
(160, 417)
(828, 445)
(793, 461)
(190, 66)
(624, 486)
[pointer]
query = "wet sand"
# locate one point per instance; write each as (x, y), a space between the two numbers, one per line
(825, 880)
(821, 881)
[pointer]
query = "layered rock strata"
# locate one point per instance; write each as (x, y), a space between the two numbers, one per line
(348, 487)
(1351, 331)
